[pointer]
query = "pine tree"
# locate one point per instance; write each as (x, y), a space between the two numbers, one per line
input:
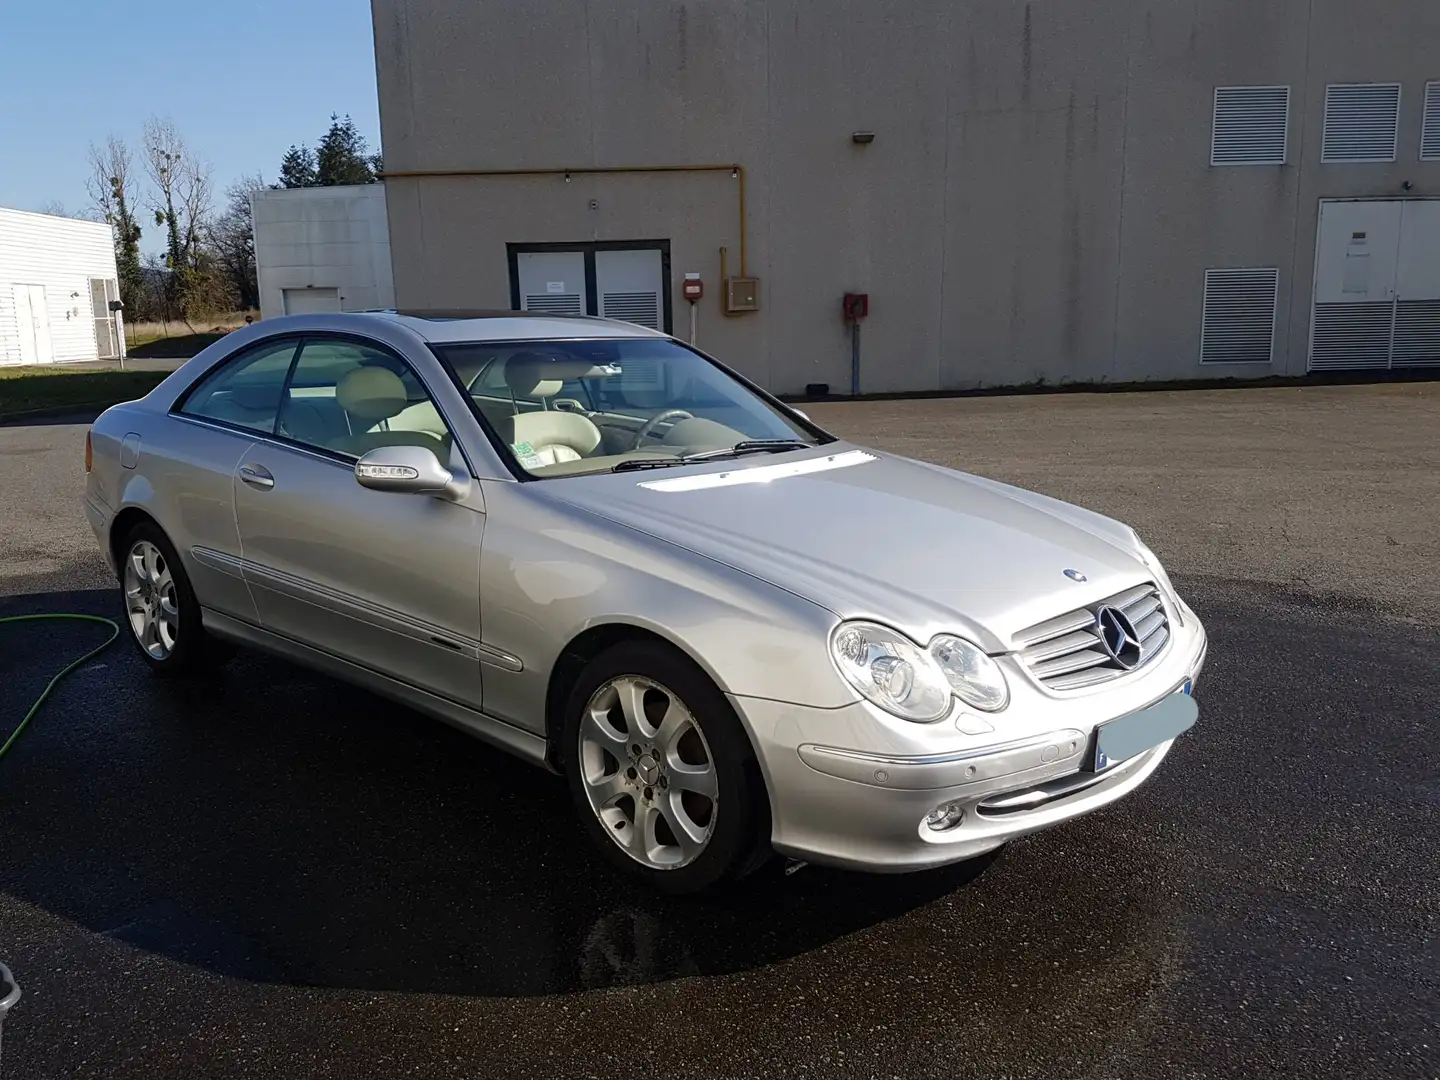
(342, 156)
(297, 168)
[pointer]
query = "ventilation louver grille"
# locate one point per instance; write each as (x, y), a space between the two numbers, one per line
(1430, 135)
(1238, 326)
(1417, 333)
(1251, 123)
(555, 303)
(635, 307)
(1352, 335)
(1362, 122)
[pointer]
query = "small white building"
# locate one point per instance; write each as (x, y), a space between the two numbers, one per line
(57, 280)
(322, 249)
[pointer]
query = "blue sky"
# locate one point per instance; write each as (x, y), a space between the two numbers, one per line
(241, 81)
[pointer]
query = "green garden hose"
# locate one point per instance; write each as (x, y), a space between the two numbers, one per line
(114, 633)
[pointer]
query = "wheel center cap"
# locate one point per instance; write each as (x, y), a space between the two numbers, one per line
(648, 768)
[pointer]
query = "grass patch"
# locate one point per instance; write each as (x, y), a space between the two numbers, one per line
(175, 348)
(169, 340)
(27, 389)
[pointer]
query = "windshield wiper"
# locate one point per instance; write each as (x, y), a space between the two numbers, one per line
(636, 464)
(750, 446)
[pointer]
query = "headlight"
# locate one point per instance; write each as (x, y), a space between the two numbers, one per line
(976, 679)
(891, 670)
(1152, 563)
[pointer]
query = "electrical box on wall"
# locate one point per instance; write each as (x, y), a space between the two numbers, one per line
(742, 294)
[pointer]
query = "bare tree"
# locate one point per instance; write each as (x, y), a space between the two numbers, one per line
(56, 208)
(232, 239)
(181, 202)
(111, 179)
(111, 186)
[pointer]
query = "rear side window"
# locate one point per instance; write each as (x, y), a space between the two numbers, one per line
(246, 391)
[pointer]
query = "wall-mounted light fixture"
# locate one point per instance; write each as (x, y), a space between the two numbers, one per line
(863, 138)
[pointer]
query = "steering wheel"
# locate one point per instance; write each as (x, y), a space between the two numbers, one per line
(647, 429)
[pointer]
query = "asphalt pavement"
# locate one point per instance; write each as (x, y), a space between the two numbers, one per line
(270, 874)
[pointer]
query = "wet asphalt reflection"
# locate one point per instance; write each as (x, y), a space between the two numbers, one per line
(279, 830)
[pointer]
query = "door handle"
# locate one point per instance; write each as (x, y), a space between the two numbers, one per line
(257, 476)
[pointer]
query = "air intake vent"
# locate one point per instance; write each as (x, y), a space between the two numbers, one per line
(555, 303)
(1352, 335)
(1362, 122)
(1238, 326)
(1417, 333)
(1251, 123)
(636, 307)
(1430, 135)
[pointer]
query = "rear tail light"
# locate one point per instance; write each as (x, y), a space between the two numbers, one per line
(89, 453)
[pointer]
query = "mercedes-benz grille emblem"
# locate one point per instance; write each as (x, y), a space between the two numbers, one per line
(1074, 575)
(1118, 637)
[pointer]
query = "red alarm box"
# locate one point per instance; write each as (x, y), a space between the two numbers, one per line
(856, 306)
(693, 289)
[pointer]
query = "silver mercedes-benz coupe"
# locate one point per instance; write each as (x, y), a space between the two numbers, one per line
(595, 547)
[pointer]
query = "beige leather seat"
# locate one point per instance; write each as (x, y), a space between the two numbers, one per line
(552, 436)
(371, 397)
(248, 406)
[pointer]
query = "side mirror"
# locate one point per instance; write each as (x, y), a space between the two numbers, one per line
(409, 470)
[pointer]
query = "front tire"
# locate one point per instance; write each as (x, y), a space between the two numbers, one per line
(160, 606)
(662, 773)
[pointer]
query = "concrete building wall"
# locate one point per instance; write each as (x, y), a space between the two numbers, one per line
(323, 238)
(57, 257)
(1038, 202)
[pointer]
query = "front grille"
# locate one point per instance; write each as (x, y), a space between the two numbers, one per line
(1066, 653)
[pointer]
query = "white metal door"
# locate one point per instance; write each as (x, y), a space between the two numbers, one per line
(552, 282)
(1377, 285)
(629, 285)
(1359, 246)
(32, 319)
(107, 337)
(311, 301)
(1417, 287)
(24, 324)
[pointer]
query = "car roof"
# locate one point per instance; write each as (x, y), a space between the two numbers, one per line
(441, 326)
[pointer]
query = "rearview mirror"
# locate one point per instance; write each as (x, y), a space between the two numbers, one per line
(409, 470)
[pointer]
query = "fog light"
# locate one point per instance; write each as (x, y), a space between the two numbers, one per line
(944, 817)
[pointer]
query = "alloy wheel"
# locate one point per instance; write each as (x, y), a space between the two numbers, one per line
(150, 599)
(648, 772)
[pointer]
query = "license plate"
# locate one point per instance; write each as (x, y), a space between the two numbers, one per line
(1122, 738)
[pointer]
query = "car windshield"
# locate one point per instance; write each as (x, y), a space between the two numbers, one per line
(561, 408)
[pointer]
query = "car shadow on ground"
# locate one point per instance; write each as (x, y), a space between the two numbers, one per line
(275, 825)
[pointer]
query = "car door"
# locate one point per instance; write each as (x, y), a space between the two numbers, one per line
(387, 581)
(217, 422)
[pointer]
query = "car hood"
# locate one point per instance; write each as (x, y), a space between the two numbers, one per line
(871, 535)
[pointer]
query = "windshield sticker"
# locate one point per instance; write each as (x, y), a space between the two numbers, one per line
(526, 453)
(759, 474)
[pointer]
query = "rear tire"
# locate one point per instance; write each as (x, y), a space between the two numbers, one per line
(662, 772)
(161, 610)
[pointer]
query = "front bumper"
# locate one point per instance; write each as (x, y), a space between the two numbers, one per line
(851, 787)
